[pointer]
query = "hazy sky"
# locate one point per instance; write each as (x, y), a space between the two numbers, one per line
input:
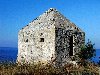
(15, 14)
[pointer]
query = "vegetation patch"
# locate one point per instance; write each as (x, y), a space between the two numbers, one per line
(48, 69)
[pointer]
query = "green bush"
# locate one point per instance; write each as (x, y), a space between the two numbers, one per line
(87, 51)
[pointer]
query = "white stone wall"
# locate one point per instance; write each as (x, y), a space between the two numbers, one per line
(55, 47)
(33, 49)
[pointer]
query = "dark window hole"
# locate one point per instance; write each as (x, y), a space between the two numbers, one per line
(41, 39)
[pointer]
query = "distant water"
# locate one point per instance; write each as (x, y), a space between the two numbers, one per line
(97, 57)
(10, 54)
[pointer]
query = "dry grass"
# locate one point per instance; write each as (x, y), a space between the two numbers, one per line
(39, 69)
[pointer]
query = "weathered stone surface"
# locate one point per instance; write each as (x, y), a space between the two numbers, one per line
(49, 38)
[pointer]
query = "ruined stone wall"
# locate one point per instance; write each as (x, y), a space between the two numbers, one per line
(47, 39)
(64, 30)
(30, 46)
(79, 41)
(63, 47)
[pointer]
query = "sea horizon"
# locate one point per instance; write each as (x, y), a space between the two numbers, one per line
(10, 54)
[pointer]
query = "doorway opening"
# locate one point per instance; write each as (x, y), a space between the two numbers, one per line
(71, 46)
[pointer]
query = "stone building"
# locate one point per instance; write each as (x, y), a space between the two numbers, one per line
(50, 38)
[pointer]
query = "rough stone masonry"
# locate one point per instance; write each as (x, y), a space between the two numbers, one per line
(50, 38)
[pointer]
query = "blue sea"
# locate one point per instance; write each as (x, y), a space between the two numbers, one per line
(10, 54)
(97, 57)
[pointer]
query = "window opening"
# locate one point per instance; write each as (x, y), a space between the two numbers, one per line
(41, 39)
(27, 40)
(41, 34)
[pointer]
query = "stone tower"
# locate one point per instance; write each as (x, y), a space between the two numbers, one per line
(50, 38)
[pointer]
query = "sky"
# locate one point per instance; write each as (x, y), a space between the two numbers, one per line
(15, 14)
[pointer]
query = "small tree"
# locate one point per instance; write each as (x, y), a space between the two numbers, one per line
(99, 61)
(87, 52)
